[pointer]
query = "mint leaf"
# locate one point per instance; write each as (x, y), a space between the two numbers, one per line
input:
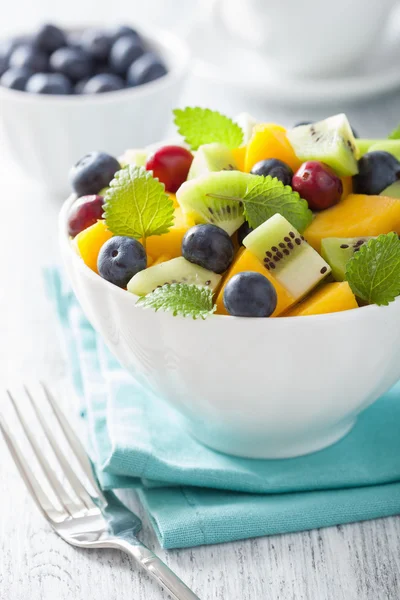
(266, 196)
(204, 126)
(395, 134)
(374, 271)
(186, 300)
(136, 204)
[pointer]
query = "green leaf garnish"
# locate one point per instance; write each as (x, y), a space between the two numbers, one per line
(200, 126)
(136, 204)
(266, 196)
(374, 271)
(183, 299)
(395, 134)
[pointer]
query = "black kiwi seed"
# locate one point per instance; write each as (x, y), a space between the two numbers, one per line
(286, 252)
(268, 267)
(302, 237)
(282, 245)
(323, 270)
(208, 281)
(274, 249)
(276, 258)
(290, 245)
(286, 238)
(279, 254)
(272, 266)
(210, 210)
(228, 209)
(292, 235)
(344, 246)
(268, 253)
(298, 241)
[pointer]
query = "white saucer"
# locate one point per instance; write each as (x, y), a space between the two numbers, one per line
(222, 60)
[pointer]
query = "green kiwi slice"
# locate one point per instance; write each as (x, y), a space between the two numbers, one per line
(215, 198)
(338, 251)
(330, 141)
(392, 191)
(391, 146)
(177, 270)
(286, 254)
(211, 157)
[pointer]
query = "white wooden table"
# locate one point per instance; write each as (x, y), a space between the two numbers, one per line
(354, 562)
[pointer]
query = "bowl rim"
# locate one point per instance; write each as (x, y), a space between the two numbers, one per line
(166, 41)
(341, 316)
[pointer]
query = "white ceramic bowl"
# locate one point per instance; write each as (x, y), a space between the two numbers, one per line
(260, 388)
(45, 135)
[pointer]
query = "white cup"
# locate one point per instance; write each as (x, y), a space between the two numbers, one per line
(308, 38)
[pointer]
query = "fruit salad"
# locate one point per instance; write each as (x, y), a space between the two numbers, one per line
(245, 219)
(93, 61)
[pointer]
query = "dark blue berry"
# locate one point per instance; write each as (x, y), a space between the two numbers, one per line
(93, 172)
(49, 83)
(242, 232)
(29, 57)
(250, 294)
(120, 258)
(104, 82)
(96, 43)
(49, 38)
(145, 69)
(274, 168)
(74, 40)
(208, 246)
(376, 171)
(79, 87)
(71, 62)
(15, 79)
(124, 52)
(122, 31)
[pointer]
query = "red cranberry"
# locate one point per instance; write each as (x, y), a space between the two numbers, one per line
(170, 164)
(318, 184)
(86, 211)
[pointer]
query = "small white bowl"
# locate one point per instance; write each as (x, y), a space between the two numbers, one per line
(45, 135)
(259, 388)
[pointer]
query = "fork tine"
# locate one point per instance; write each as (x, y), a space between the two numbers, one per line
(74, 481)
(74, 442)
(43, 502)
(63, 497)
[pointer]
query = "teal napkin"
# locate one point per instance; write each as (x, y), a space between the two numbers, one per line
(196, 496)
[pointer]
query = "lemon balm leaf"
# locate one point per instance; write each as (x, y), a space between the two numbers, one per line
(186, 300)
(136, 204)
(266, 196)
(200, 126)
(373, 272)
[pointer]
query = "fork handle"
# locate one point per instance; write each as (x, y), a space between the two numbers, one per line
(155, 567)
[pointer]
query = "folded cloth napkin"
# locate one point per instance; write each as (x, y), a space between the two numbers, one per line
(196, 496)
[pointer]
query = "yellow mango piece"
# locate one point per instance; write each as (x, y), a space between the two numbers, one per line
(246, 261)
(269, 141)
(330, 298)
(175, 201)
(160, 259)
(239, 154)
(357, 215)
(90, 240)
(347, 186)
(170, 243)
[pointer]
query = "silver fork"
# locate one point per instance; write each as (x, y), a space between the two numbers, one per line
(88, 518)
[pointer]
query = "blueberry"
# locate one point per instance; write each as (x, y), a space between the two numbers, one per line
(122, 31)
(242, 232)
(93, 172)
(49, 83)
(49, 38)
(208, 246)
(120, 258)
(104, 82)
(74, 40)
(376, 171)
(3, 65)
(124, 52)
(29, 57)
(71, 62)
(80, 85)
(96, 43)
(274, 168)
(145, 69)
(15, 79)
(250, 294)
